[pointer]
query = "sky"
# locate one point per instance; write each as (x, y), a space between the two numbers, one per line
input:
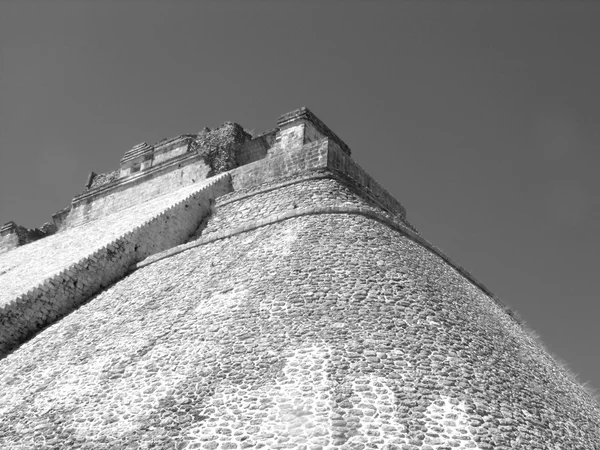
(480, 117)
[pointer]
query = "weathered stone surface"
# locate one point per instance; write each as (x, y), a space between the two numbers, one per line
(13, 235)
(102, 179)
(78, 264)
(304, 312)
(324, 330)
(150, 171)
(219, 148)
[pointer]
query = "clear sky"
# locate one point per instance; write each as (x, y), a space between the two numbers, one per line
(480, 117)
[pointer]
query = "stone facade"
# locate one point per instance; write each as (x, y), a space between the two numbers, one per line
(285, 303)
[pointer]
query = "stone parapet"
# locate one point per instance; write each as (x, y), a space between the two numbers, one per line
(301, 126)
(147, 171)
(119, 184)
(181, 171)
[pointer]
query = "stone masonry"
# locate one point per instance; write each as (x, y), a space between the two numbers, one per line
(264, 293)
(101, 254)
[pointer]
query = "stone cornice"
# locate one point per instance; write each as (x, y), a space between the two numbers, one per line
(305, 114)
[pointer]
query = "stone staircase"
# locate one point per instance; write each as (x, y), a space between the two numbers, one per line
(80, 262)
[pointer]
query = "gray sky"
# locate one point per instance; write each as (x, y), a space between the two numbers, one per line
(480, 117)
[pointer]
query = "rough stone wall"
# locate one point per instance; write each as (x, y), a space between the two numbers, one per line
(329, 331)
(305, 313)
(257, 148)
(292, 137)
(219, 148)
(283, 163)
(342, 163)
(184, 162)
(43, 298)
(298, 192)
(101, 179)
(162, 183)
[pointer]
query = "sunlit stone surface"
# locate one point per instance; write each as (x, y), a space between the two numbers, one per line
(304, 331)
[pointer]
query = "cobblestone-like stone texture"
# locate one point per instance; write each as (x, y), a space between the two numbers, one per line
(32, 298)
(324, 331)
(301, 191)
(305, 313)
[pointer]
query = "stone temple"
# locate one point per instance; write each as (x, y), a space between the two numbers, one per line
(225, 291)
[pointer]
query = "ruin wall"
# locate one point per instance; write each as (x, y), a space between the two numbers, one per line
(137, 188)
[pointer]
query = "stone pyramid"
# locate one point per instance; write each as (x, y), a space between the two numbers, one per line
(224, 291)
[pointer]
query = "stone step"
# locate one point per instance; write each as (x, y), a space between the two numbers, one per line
(59, 294)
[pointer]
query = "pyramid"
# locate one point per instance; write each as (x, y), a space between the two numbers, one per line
(225, 291)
